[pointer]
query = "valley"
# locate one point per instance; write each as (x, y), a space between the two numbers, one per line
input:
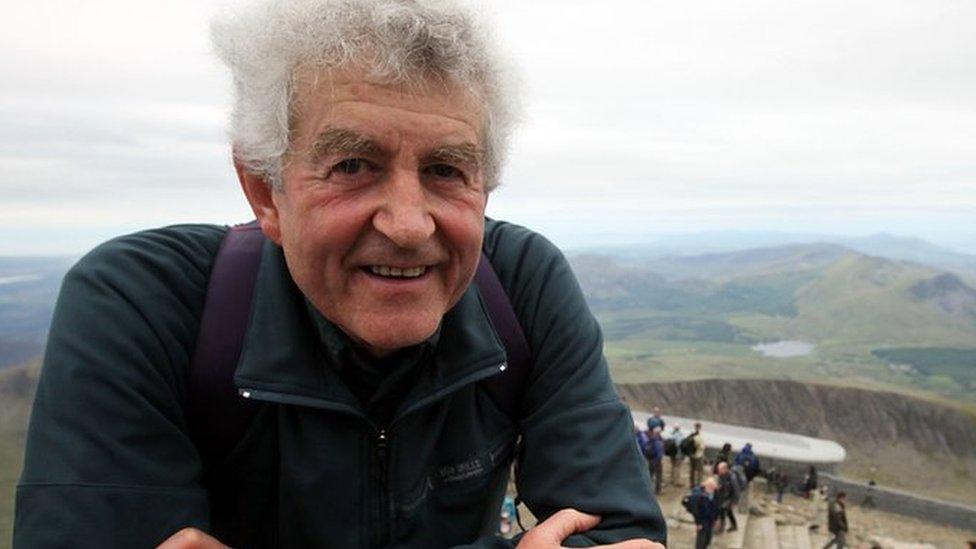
(869, 321)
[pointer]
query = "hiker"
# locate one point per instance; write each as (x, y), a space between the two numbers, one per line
(749, 461)
(724, 455)
(704, 509)
(693, 446)
(809, 482)
(656, 460)
(781, 480)
(726, 496)
(672, 448)
(655, 421)
(742, 481)
(329, 376)
(653, 451)
(837, 521)
(869, 502)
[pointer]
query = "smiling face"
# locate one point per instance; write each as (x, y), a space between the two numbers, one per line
(381, 214)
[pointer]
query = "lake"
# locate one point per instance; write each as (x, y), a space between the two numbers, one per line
(785, 349)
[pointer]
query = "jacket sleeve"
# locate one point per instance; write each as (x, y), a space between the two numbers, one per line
(107, 460)
(578, 449)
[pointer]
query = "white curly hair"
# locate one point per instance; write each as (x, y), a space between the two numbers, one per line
(412, 42)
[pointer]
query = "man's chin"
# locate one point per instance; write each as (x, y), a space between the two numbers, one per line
(387, 342)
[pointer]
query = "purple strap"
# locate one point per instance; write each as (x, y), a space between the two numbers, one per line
(505, 389)
(217, 416)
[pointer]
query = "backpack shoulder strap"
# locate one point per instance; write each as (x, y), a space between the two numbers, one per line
(506, 388)
(216, 415)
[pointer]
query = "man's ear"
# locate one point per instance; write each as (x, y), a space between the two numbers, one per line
(260, 196)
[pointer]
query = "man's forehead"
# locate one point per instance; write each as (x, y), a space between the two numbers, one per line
(318, 90)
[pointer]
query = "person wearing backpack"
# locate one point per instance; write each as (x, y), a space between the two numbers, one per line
(810, 482)
(362, 365)
(672, 447)
(724, 455)
(656, 459)
(749, 461)
(701, 503)
(655, 421)
(837, 521)
(693, 446)
(726, 496)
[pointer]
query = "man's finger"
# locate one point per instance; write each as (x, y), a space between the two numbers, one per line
(564, 524)
(191, 538)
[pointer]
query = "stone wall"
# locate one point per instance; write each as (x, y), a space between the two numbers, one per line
(904, 503)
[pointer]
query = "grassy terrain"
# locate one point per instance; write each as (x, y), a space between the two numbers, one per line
(958, 365)
(11, 461)
(647, 360)
(16, 394)
(854, 308)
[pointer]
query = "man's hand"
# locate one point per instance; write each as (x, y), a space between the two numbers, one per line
(191, 538)
(551, 533)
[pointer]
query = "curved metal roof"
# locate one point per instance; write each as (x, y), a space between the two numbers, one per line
(771, 444)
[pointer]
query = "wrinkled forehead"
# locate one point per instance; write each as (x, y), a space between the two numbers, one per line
(317, 88)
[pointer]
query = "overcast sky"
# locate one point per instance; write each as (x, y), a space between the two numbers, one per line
(642, 118)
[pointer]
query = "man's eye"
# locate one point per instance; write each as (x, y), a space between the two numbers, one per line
(443, 171)
(351, 166)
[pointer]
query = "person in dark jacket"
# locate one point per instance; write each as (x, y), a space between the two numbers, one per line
(723, 455)
(655, 421)
(656, 460)
(810, 482)
(837, 521)
(694, 448)
(726, 496)
(781, 481)
(366, 136)
(673, 451)
(749, 461)
(705, 510)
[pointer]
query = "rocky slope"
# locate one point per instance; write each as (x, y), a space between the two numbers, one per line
(912, 443)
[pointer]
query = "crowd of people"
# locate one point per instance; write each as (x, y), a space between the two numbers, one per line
(720, 487)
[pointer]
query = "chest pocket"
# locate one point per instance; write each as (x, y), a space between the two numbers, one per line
(474, 472)
(456, 484)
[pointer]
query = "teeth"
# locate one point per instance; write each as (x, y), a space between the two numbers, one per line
(397, 272)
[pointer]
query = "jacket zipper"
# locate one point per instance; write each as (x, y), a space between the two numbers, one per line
(383, 489)
(382, 441)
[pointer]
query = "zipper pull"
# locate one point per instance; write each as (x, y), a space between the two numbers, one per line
(381, 441)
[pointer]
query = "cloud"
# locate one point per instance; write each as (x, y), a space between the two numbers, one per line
(858, 115)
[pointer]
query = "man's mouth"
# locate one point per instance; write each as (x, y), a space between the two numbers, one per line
(397, 272)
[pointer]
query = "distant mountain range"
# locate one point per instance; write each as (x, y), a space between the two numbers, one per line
(811, 291)
(881, 244)
(861, 301)
(868, 317)
(28, 290)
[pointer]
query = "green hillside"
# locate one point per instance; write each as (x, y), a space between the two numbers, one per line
(862, 300)
(17, 385)
(698, 317)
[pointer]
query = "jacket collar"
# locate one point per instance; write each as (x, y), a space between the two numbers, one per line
(282, 353)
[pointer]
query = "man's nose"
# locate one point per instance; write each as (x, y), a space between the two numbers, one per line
(404, 217)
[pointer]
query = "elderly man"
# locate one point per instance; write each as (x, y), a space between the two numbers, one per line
(367, 136)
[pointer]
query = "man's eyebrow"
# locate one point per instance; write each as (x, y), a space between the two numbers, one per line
(342, 141)
(465, 154)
